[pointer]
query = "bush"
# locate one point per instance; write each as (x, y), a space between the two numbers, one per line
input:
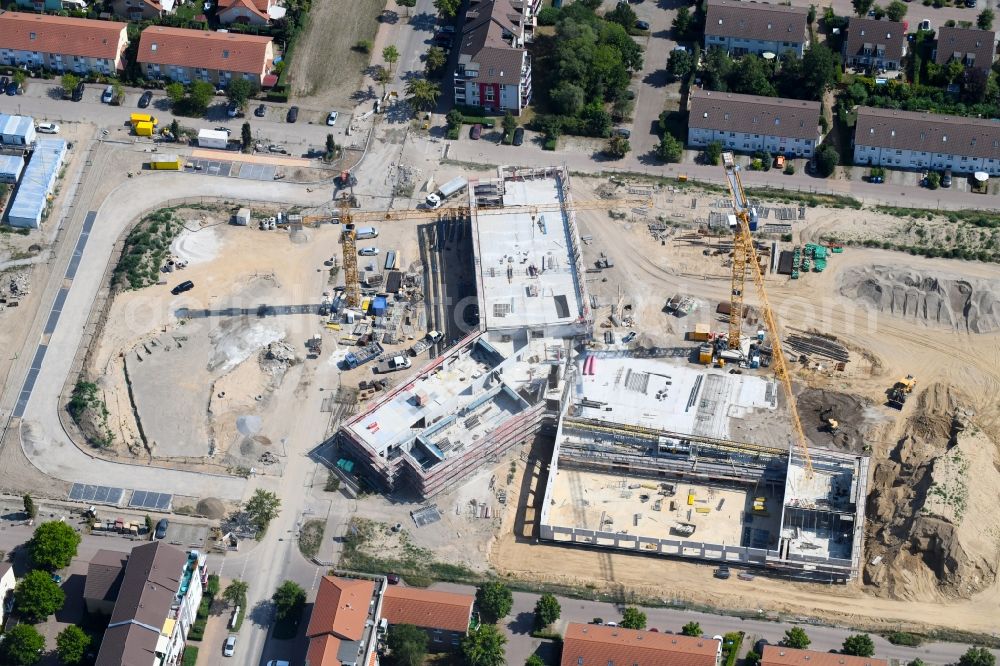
(364, 46)
(190, 655)
(789, 168)
(548, 16)
(859, 645)
(550, 144)
(904, 638)
(826, 161)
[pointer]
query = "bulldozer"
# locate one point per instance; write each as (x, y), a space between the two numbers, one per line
(900, 390)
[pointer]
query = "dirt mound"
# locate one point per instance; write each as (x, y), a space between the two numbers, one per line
(932, 528)
(211, 507)
(939, 300)
(817, 405)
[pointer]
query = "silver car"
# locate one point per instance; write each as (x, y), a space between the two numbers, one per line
(230, 647)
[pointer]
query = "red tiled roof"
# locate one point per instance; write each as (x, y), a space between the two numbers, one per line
(594, 645)
(323, 651)
(429, 609)
(775, 655)
(223, 51)
(254, 6)
(341, 608)
(60, 34)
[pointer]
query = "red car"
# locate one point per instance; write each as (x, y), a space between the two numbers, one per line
(476, 132)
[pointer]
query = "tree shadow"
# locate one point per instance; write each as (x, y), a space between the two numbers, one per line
(657, 79)
(522, 623)
(55, 93)
(389, 16)
(423, 21)
(262, 613)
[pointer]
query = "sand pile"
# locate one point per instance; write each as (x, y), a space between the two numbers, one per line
(933, 530)
(942, 300)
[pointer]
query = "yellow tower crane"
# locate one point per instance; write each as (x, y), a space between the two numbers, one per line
(745, 253)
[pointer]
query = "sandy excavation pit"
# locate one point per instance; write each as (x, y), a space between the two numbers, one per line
(939, 300)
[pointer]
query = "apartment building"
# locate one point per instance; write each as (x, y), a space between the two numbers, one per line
(186, 55)
(156, 604)
(445, 616)
(756, 27)
(250, 12)
(62, 44)
(342, 624)
(748, 123)
(104, 581)
(142, 10)
(776, 655)
(600, 645)
(973, 48)
(494, 68)
(917, 140)
(875, 44)
(7, 585)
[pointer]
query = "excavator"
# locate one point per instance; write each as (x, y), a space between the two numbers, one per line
(901, 390)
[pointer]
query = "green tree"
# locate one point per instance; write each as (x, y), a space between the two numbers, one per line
(422, 94)
(494, 600)
(547, 611)
(896, 10)
(691, 629)
(820, 69)
(633, 618)
(212, 586)
(22, 646)
(262, 508)
(437, 58)
(618, 147)
(861, 7)
(623, 15)
(984, 21)
(509, 124)
(448, 8)
(713, 153)
(796, 637)
(534, 660)
(454, 118)
(53, 545)
(548, 15)
(239, 91)
(859, 645)
(29, 506)
(38, 596)
(977, 656)
(682, 24)
(954, 70)
(752, 659)
(390, 54)
(485, 647)
(878, 13)
(202, 93)
(933, 180)
(383, 76)
(811, 16)
(406, 3)
(70, 81)
(916, 662)
(175, 128)
(407, 644)
(568, 98)
(669, 149)
(717, 67)
(72, 644)
(20, 76)
(175, 91)
(246, 137)
(364, 46)
(680, 64)
(331, 148)
(148, 523)
(752, 76)
(289, 600)
(236, 593)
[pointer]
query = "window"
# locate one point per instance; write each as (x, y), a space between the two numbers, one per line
(579, 660)
(489, 94)
(152, 47)
(225, 53)
(32, 36)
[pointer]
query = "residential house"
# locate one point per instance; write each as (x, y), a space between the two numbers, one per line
(775, 655)
(973, 48)
(51, 5)
(156, 605)
(600, 645)
(343, 621)
(186, 55)
(756, 27)
(918, 140)
(748, 123)
(874, 44)
(104, 580)
(494, 68)
(251, 12)
(62, 44)
(445, 616)
(7, 585)
(142, 10)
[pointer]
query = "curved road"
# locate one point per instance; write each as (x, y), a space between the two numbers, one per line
(44, 441)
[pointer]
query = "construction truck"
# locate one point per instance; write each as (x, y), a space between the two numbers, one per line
(431, 338)
(901, 390)
(392, 364)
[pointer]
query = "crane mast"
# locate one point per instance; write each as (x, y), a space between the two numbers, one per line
(745, 253)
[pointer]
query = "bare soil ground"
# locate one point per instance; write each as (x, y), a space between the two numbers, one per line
(326, 69)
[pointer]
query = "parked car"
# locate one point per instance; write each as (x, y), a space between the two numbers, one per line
(610, 624)
(161, 527)
(12, 88)
(47, 128)
(233, 110)
(518, 136)
(368, 252)
(722, 572)
(946, 178)
(642, 25)
(108, 94)
(57, 579)
(622, 131)
(145, 99)
(293, 114)
(331, 119)
(229, 648)
(260, 111)
(78, 91)
(187, 285)
(475, 132)
(628, 338)
(924, 25)
(971, 4)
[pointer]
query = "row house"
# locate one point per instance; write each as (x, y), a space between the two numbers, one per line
(249, 12)
(918, 140)
(748, 123)
(602, 645)
(142, 10)
(494, 68)
(752, 27)
(62, 44)
(186, 55)
(875, 44)
(973, 48)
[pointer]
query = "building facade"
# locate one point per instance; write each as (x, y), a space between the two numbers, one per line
(186, 55)
(249, 12)
(874, 44)
(494, 68)
(7, 585)
(916, 140)
(62, 44)
(142, 10)
(748, 123)
(752, 27)
(973, 48)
